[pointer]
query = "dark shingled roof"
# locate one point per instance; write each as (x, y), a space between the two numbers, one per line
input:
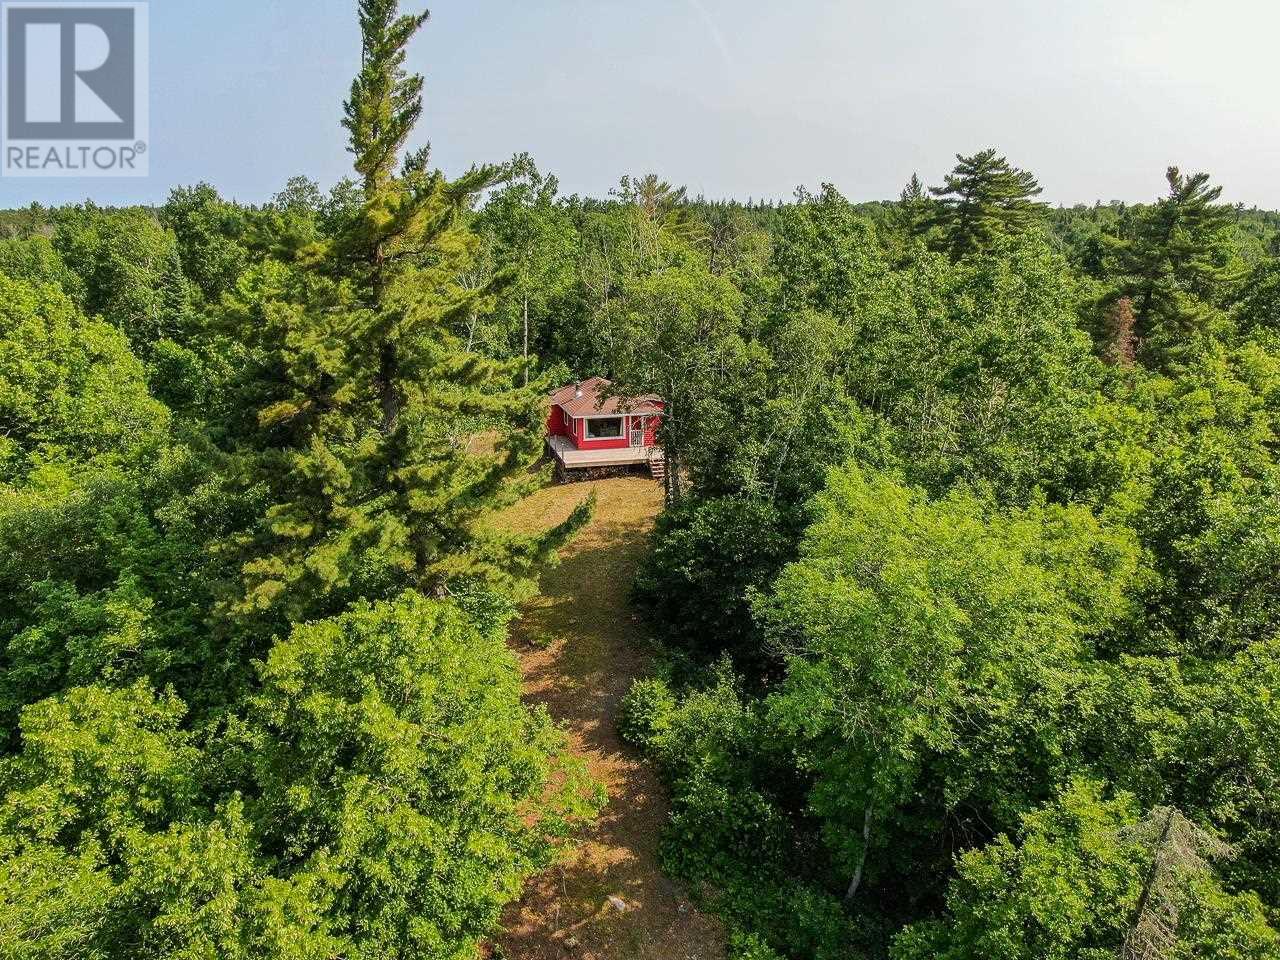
(589, 405)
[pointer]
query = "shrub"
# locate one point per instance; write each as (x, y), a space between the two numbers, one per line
(749, 946)
(646, 711)
(707, 560)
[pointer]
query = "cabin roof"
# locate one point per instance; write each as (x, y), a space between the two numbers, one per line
(590, 405)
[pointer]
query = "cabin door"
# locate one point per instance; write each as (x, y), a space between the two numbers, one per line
(637, 431)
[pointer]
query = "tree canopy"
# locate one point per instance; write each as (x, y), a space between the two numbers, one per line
(964, 596)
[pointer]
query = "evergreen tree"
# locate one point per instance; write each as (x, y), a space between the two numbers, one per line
(1174, 266)
(914, 207)
(661, 211)
(981, 199)
(1179, 851)
(379, 400)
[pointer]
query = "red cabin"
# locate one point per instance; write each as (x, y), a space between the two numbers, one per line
(587, 428)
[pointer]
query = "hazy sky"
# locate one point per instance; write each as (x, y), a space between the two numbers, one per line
(731, 97)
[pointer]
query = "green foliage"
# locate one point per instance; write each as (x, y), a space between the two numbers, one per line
(527, 233)
(708, 559)
(826, 255)
(915, 208)
(395, 752)
(1258, 308)
(1070, 887)
(325, 763)
(37, 261)
(401, 793)
(676, 335)
(981, 370)
(67, 383)
(750, 946)
(982, 199)
(645, 712)
(1175, 265)
(94, 818)
(371, 397)
(209, 233)
(969, 567)
(902, 616)
(729, 824)
(1209, 518)
(130, 269)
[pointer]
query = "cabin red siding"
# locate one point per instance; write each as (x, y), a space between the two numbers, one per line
(560, 424)
(613, 443)
(650, 424)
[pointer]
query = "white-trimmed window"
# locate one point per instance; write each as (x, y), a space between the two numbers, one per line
(605, 428)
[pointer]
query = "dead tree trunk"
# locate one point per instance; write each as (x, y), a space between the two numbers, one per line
(856, 882)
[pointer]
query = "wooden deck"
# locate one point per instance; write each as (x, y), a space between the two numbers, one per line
(571, 457)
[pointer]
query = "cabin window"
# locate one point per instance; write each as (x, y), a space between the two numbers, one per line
(609, 428)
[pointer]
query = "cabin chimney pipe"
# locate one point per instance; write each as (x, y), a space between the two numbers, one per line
(577, 389)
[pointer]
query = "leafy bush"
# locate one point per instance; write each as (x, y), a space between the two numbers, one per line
(750, 946)
(707, 559)
(646, 711)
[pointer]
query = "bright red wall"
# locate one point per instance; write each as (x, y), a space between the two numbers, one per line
(558, 425)
(650, 435)
(651, 430)
(616, 443)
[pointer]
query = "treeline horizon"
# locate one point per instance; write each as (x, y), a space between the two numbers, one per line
(610, 196)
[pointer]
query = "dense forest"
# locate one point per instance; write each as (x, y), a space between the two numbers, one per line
(967, 585)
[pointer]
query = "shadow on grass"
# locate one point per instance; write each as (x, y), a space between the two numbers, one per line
(593, 642)
(580, 646)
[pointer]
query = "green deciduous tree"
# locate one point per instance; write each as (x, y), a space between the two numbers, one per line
(532, 237)
(1079, 883)
(211, 238)
(68, 383)
(981, 369)
(677, 335)
(708, 557)
(37, 261)
(398, 764)
(395, 795)
(131, 270)
(911, 630)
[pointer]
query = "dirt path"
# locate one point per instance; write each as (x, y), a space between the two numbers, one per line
(579, 649)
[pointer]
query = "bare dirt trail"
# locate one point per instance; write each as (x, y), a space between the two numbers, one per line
(579, 648)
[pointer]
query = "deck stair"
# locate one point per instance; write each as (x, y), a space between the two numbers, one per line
(658, 468)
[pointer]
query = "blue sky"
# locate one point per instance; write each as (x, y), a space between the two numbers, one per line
(731, 97)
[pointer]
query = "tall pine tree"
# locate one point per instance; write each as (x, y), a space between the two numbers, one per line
(981, 199)
(1174, 266)
(915, 207)
(370, 437)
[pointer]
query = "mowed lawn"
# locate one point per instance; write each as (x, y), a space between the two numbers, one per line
(579, 648)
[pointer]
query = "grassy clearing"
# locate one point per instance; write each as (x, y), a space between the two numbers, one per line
(579, 648)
